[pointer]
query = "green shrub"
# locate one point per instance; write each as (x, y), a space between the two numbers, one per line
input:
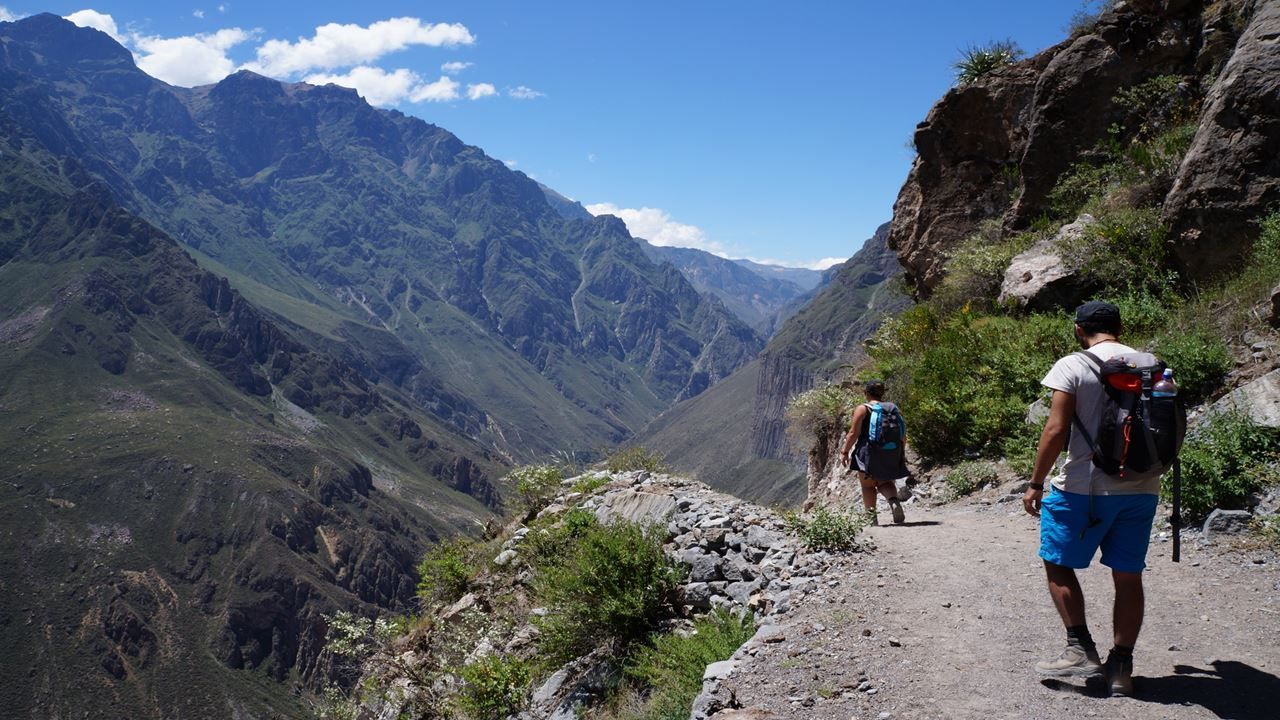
(670, 667)
(445, 571)
(964, 380)
(1199, 359)
(977, 61)
(591, 483)
(610, 589)
(1225, 459)
(1268, 528)
(1145, 314)
(818, 411)
(550, 540)
(1146, 96)
(536, 485)
(829, 530)
(1125, 252)
(493, 687)
(969, 476)
(1082, 184)
(636, 458)
(975, 268)
(1019, 448)
(1084, 19)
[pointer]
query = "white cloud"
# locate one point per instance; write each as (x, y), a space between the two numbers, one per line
(455, 67)
(511, 163)
(198, 13)
(442, 90)
(97, 21)
(657, 227)
(223, 8)
(189, 60)
(335, 46)
(591, 157)
(822, 264)
(6, 16)
(374, 84)
(380, 87)
(480, 90)
(525, 93)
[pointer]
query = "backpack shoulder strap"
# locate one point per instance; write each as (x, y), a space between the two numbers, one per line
(1095, 365)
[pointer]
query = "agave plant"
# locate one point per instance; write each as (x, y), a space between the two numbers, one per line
(978, 60)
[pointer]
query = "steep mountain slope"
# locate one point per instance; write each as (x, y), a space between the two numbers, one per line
(188, 488)
(415, 257)
(748, 449)
(757, 299)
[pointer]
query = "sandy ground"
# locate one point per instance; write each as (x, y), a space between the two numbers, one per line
(946, 618)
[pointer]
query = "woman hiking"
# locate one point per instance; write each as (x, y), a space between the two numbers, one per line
(878, 440)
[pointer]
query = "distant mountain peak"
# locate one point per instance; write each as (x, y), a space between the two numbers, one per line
(61, 40)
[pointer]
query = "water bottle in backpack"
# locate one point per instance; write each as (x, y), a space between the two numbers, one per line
(1165, 387)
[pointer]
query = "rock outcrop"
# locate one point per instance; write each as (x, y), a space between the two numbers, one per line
(996, 147)
(1232, 171)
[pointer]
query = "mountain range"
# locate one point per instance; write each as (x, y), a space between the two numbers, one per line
(263, 345)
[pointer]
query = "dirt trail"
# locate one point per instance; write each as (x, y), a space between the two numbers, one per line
(949, 614)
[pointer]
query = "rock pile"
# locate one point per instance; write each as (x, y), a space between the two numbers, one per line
(740, 557)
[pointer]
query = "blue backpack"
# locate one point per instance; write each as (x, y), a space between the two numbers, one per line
(885, 428)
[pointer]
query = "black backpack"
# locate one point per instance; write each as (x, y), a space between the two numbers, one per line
(1138, 435)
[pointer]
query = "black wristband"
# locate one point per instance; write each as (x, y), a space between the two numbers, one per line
(1036, 486)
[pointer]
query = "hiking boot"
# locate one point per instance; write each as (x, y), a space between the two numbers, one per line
(1074, 661)
(873, 517)
(899, 516)
(1119, 671)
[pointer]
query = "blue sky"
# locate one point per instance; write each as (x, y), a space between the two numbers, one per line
(771, 130)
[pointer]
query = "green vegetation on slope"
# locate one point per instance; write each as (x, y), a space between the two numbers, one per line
(965, 369)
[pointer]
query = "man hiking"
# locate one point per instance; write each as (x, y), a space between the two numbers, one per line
(1088, 509)
(877, 437)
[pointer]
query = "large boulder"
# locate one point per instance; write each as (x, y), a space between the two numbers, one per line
(1275, 306)
(1259, 399)
(1232, 171)
(1045, 277)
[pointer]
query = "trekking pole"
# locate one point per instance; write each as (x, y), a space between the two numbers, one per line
(1176, 520)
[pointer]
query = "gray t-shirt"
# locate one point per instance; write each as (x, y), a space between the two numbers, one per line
(1075, 374)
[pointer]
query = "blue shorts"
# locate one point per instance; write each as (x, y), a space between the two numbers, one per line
(1123, 530)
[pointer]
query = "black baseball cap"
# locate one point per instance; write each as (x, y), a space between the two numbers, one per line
(1097, 311)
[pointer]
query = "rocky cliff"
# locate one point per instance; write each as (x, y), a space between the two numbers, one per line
(826, 334)
(995, 148)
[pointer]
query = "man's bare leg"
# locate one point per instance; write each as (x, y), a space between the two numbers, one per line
(1081, 655)
(1068, 597)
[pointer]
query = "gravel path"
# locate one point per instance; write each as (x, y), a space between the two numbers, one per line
(946, 618)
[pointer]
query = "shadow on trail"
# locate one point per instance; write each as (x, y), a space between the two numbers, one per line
(1230, 690)
(1094, 688)
(916, 523)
